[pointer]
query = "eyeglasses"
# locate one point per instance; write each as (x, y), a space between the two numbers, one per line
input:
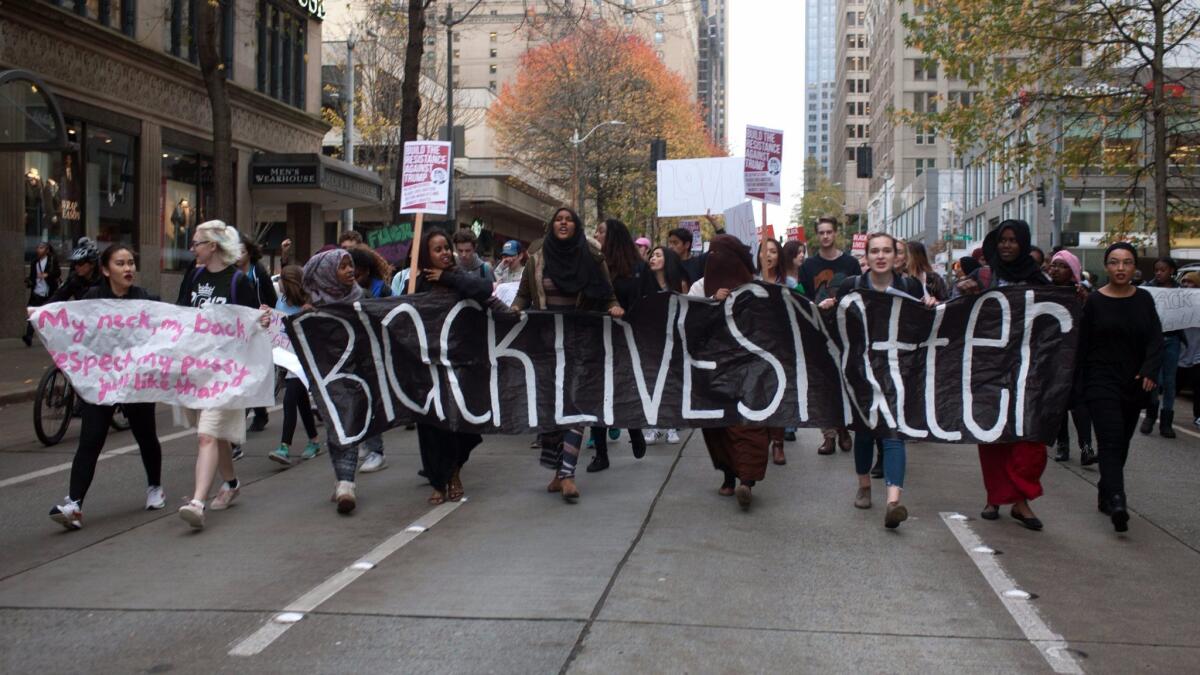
(194, 244)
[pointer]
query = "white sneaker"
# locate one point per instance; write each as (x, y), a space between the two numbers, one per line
(193, 514)
(68, 514)
(225, 497)
(672, 435)
(155, 498)
(651, 436)
(374, 462)
(343, 494)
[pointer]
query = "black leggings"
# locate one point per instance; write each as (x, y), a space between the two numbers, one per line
(1114, 422)
(1083, 426)
(295, 399)
(96, 419)
(600, 440)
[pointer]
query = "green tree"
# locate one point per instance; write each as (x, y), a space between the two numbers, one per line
(821, 198)
(1071, 89)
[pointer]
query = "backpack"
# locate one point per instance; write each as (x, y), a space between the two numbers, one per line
(232, 282)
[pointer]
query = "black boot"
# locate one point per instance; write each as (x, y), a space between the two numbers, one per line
(600, 440)
(637, 442)
(1166, 422)
(1063, 454)
(1118, 513)
(1087, 456)
(1148, 422)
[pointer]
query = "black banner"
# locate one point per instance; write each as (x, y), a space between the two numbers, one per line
(990, 368)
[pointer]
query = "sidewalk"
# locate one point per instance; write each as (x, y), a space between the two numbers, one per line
(21, 368)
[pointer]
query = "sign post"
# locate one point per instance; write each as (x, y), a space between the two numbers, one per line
(424, 188)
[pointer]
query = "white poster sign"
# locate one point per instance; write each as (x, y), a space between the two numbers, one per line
(1178, 308)
(739, 221)
(139, 351)
(694, 187)
(425, 185)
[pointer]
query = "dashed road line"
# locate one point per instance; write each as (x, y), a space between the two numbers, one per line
(1049, 644)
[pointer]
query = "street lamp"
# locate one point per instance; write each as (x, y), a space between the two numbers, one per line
(576, 141)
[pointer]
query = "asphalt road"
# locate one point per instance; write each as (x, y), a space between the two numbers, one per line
(651, 571)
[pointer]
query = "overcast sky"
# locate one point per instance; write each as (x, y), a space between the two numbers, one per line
(766, 85)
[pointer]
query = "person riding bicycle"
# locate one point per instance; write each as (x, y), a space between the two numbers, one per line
(85, 272)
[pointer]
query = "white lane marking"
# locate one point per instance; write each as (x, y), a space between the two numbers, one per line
(1049, 644)
(1189, 432)
(270, 631)
(115, 452)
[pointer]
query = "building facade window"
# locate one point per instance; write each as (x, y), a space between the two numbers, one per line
(119, 15)
(179, 36)
(282, 52)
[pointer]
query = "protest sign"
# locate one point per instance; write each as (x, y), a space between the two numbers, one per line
(694, 187)
(858, 245)
(693, 226)
(979, 369)
(795, 234)
(739, 222)
(392, 241)
(425, 185)
(763, 164)
(1178, 308)
(767, 232)
(138, 351)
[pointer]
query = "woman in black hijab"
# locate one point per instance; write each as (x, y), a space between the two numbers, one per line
(565, 272)
(739, 452)
(1012, 472)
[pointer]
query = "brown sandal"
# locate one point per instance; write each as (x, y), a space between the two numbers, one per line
(436, 498)
(454, 491)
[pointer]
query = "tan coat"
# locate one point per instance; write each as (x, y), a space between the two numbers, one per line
(532, 295)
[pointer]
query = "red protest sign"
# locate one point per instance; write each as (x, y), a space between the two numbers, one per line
(858, 245)
(763, 164)
(425, 184)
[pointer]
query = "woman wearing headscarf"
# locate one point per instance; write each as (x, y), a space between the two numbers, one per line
(1120, 354)
(1065, 271)
(566, 272)
(329, 278)
(1012, 472)
(443, 453)
(739, 452)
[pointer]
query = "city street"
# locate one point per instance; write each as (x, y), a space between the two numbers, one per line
(651, 571)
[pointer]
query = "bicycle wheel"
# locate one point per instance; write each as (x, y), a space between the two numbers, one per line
(119, 421)
(52, 407)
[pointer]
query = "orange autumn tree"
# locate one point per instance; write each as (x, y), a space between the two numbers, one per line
(595, 74)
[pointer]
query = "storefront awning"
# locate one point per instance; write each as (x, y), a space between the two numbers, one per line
(313, 179)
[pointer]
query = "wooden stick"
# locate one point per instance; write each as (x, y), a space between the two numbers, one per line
(414, 251)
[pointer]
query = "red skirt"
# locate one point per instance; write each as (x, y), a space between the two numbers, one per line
(1012, 471)
(739, 450)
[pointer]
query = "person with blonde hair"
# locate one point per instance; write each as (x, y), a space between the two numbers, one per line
(215, 280)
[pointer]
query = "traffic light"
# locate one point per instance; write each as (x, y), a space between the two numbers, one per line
(1041, 193)
(658, 151)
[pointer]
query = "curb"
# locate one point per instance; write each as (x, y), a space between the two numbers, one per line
(19, 396)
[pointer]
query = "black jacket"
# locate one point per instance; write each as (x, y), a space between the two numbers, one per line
(53, 274)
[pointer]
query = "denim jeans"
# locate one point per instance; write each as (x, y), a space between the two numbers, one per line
(893, 458)
(1166, 375)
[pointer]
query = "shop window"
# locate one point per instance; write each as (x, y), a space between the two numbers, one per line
(119, 15)
(88, 190)
(54, 187)
(282, 61)
(187, 199)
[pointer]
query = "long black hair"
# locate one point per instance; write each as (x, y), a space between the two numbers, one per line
(424, 260)
(620, 253)
(673, 272)
(780, 266)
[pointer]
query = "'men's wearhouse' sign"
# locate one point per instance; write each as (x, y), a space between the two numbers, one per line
(284, 175)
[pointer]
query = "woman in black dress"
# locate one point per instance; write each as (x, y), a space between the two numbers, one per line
(443, 453)
(1120, 351)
